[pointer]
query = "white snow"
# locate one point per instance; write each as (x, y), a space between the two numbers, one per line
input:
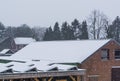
(23, 40)
(45, 65)
(60, 51)
(4, 51)
(4, 57)
(3, 68)
(20, 67)
(39, 65)
(63, 67)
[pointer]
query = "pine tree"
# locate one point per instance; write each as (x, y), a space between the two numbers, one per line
(114, 29)
(77, 29)
(67, 32)
(64, 31)
(84, 30)
(71, 33)
(2, 27)
(110, 32)
(2, 30)
(48, 34)
(56, 32)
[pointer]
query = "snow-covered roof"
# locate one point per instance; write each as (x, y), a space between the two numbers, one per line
(3, 68)
(52, 55)
(23, 40)
(38, 65)
(19, 67)
(60, 51)
(63, 66)
(4, 51)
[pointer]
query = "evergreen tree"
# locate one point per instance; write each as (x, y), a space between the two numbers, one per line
(67, 32)
(48, 34)
(2, 30)
(71, 33)
(114, 29)
(64, 31)
(56, 32)
(77, 29)
(2, 27)
(84, 30)
(110, 32)
(75, 24)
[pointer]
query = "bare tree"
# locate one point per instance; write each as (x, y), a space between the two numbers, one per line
(97, 24)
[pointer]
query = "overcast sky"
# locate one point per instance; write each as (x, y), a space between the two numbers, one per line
(47, 12)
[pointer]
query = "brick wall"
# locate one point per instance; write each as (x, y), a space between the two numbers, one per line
(96, 66)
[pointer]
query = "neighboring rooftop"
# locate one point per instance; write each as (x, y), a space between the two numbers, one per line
(5, 51)
(23, 40)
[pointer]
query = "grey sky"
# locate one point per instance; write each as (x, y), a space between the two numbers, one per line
(47, 12)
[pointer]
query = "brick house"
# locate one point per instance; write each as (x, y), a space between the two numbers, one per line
(15, 44)
(103, 64)
(100, 58)
(7, 43)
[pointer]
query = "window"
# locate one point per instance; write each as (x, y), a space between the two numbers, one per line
(105, 54)
(117, 54)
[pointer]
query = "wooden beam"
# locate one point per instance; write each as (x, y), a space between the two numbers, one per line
(41, 74)
(78, 78)
(44, 79)
(36, 79)
(73, 79)
(50, 78)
